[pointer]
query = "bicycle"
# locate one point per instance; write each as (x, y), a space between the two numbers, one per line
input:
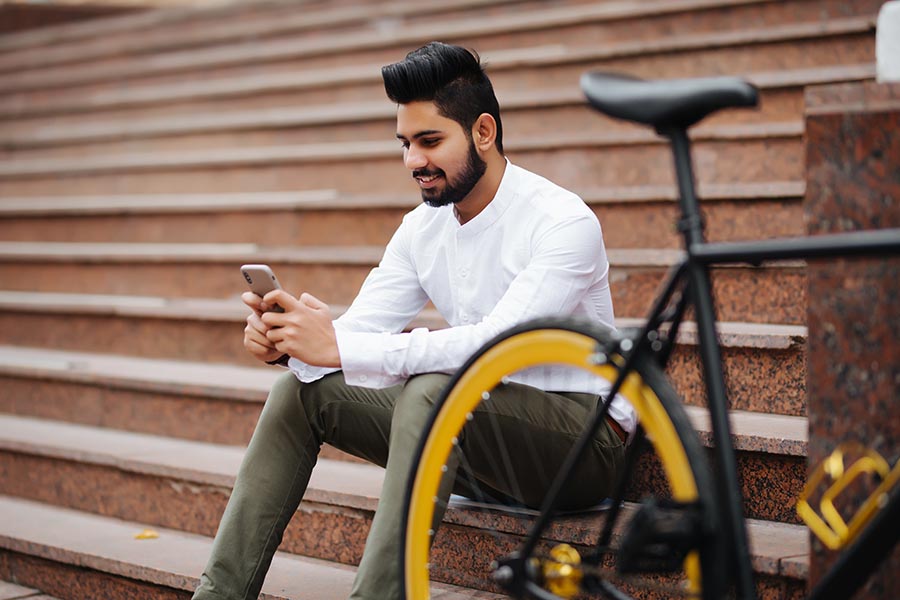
(682, 537)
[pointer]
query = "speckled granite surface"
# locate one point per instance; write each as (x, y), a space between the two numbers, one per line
(853, 376)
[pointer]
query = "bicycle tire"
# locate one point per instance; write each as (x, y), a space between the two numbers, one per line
(571, 342)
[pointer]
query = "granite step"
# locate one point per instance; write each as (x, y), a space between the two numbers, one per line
(781, 100)
(11, 591)
(265, 95)
(773, 293)
(205, 26)
(812, 45)
(370, 26)
(267, 20)
(178, 484)
(75, 555)
(166, 567)
(727, 154)
(765, 365)
(632, 217)
(551, 27)
(183, 484)
(180, 29)
(220, 403)
(525, 115)
(127, 24)
(189, 399)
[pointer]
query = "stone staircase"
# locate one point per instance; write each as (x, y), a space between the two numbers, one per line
(146, 157)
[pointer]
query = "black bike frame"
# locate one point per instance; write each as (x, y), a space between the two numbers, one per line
(694, 270)
(700, 256)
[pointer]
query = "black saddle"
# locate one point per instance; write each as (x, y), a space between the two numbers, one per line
(665, 103)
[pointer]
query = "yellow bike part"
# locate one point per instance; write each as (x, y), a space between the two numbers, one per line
(562, 573)
(830, 527)
(510, 355)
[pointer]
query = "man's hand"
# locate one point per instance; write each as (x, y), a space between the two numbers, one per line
(304, 330)
(255, 340)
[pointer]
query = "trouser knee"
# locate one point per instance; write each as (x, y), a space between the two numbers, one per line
(282, 402)
(419, 395)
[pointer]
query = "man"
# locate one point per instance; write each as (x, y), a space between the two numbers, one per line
(493, 245)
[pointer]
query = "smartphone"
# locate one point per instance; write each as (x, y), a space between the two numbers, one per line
(261, 280)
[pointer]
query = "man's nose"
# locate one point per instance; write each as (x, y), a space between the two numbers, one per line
(415, 159)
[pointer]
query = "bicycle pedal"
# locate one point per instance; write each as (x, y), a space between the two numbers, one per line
(659, 537)
(561, 571)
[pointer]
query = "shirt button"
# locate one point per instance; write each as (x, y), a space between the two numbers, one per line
(464, 317)
(463, 273)
(363, 378)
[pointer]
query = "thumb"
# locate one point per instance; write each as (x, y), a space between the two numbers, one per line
(312, 302)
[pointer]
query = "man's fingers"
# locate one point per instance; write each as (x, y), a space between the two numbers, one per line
(281, 298)
(256, 339)
(256, 335)
(255, 321)
(255, 347)
(312, 302)
(253, 301)
(272, 320)
(273, 336)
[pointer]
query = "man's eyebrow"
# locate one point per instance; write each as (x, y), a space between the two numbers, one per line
(420, 134)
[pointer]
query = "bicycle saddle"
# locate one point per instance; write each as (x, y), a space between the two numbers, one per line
(665, 103)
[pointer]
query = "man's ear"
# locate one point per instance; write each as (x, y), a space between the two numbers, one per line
(484, 132)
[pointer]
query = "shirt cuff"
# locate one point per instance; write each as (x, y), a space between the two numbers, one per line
(308, 373)
(362, 359)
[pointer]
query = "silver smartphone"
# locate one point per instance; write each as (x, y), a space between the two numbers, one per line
(261, 280)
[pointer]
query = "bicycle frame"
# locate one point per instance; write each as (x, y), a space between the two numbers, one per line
(700, 256)
(693, 272)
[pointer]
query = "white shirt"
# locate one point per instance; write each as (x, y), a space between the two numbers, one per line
(536, 250)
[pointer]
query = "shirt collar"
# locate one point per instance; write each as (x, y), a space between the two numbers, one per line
(506, 194)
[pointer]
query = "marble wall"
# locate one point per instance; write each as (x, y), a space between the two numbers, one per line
(853, 183)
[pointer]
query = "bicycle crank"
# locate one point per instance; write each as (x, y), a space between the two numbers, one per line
(559, 573)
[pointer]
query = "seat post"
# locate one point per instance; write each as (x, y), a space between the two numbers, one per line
(701, 295)
(728, 484)
(691, 223)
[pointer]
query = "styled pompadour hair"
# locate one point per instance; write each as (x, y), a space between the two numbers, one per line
(450, 76)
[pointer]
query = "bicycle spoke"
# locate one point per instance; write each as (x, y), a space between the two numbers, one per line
(482, 498)
(512, 480)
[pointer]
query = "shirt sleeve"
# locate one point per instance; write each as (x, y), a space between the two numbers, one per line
(568, 257)
(388, 300)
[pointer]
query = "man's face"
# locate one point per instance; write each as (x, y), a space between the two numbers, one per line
(439, 153)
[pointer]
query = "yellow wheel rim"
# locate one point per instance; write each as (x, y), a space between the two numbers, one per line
(518, 352)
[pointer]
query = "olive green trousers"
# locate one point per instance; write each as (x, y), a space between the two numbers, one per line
(383, 426)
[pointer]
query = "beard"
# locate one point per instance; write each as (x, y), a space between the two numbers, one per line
(454, 191)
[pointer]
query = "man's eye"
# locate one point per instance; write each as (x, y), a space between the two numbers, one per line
(430, 142)
(405, 145)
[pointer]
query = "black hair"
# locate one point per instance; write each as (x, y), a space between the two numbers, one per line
(450, 76)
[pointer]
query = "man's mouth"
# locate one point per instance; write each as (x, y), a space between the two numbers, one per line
(426, 180)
